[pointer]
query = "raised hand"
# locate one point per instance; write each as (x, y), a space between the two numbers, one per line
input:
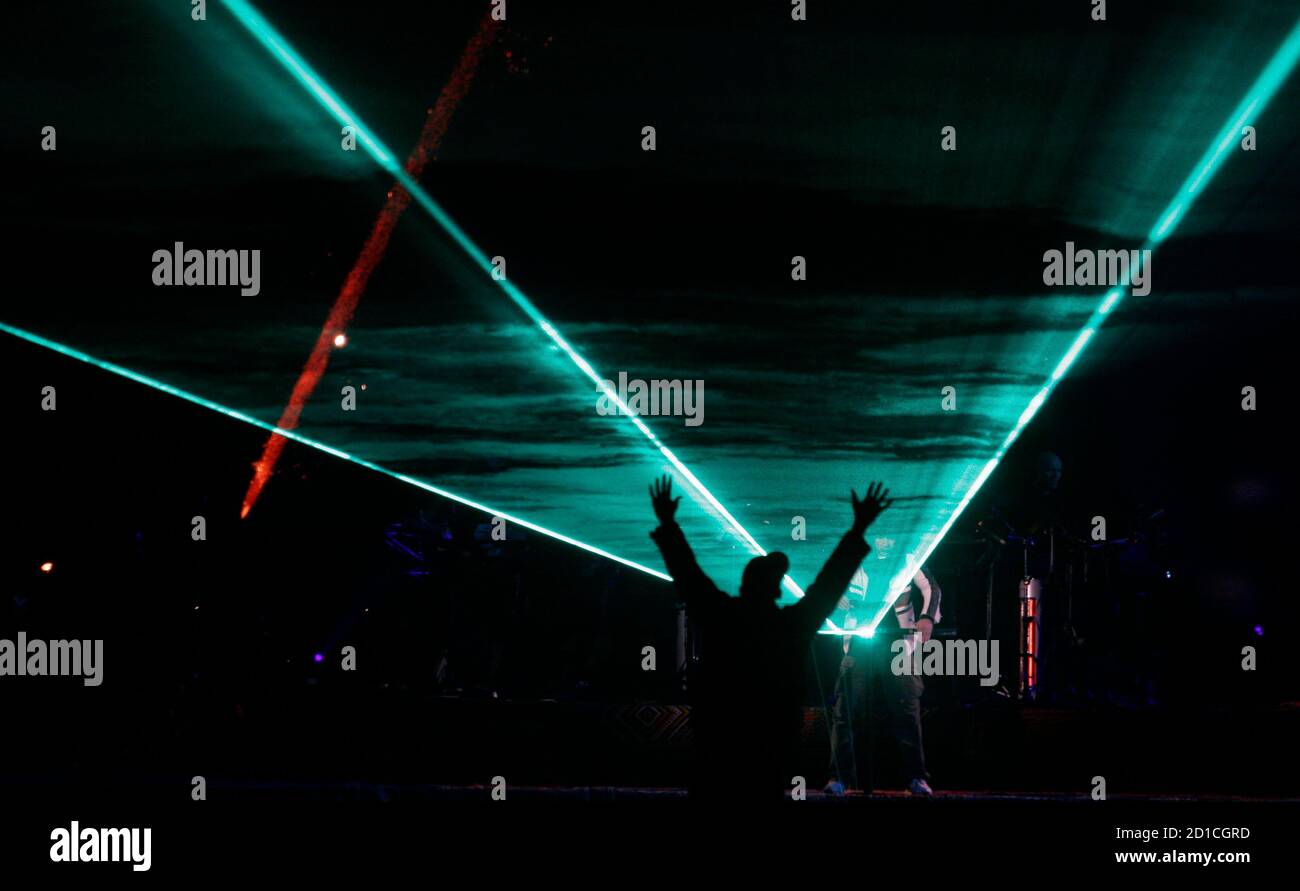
(870, 507)
(661, 498)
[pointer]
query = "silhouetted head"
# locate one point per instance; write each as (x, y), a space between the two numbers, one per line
(762, 578)
(1047, 472)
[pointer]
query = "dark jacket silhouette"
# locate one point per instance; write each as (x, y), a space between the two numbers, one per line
(747, 703)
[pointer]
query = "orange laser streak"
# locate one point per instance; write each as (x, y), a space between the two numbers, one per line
(345, 304)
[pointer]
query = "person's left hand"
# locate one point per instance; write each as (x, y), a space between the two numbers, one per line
(926, 627)
(662, 500)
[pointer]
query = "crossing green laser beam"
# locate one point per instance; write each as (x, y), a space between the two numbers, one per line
(280, 48)
(1252, 104)
(308, 441)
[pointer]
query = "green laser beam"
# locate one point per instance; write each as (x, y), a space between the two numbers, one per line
(315, 444)
(280, 48)
(1257, 98)
(1253, 103)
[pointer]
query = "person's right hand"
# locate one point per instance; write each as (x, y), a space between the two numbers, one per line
(925, 627)
(662, 500)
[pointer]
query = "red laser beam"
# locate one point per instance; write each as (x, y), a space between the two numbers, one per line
(345, 304)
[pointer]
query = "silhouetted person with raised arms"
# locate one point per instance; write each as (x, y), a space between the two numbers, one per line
(747, 706)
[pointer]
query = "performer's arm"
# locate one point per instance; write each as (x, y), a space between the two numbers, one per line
(928, 608)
